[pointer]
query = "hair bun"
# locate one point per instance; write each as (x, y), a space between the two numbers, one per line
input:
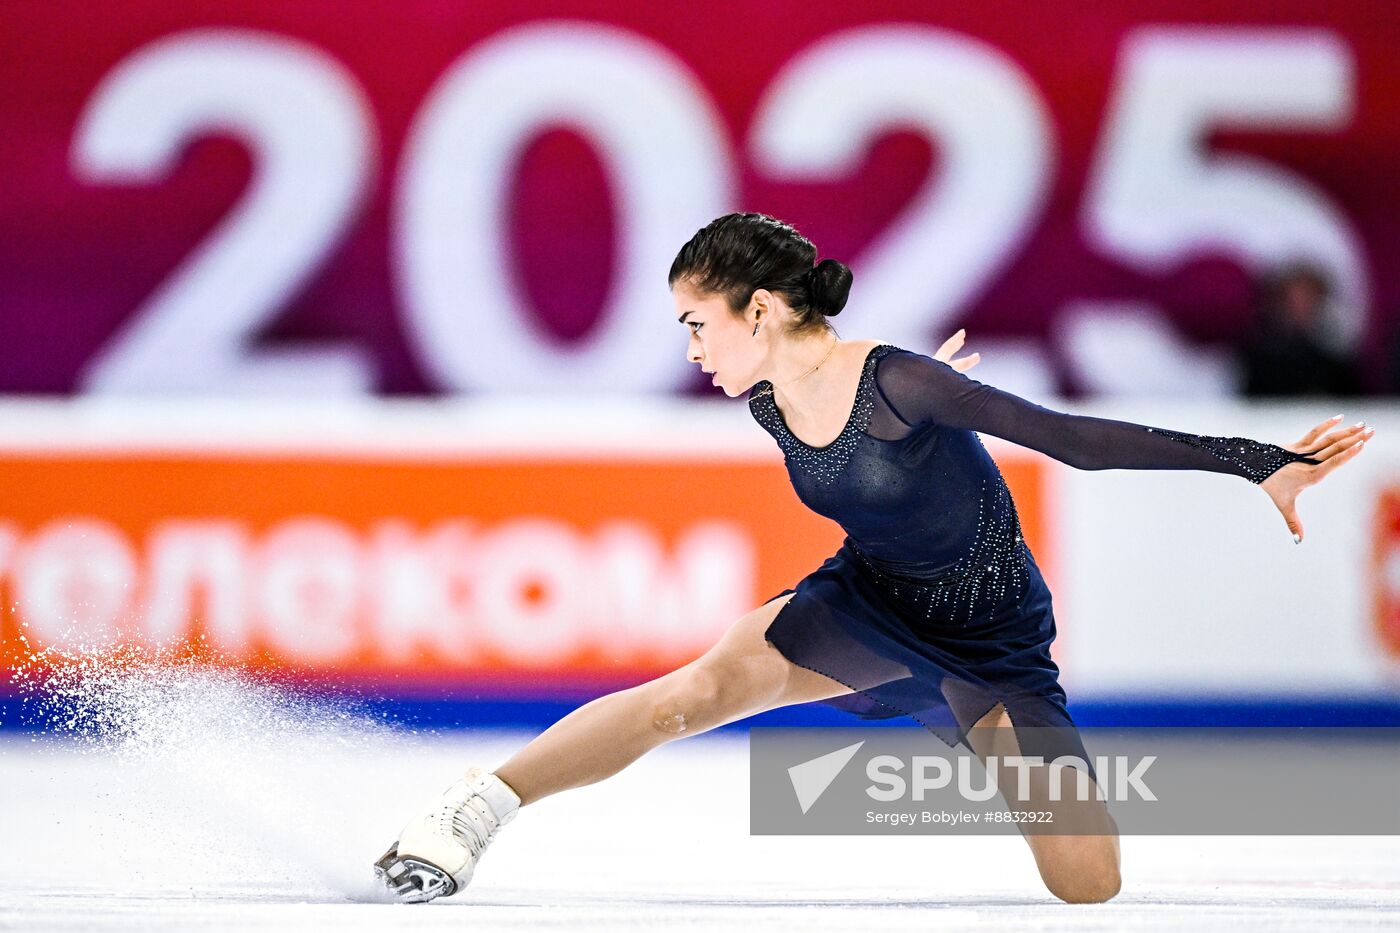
(831, 286)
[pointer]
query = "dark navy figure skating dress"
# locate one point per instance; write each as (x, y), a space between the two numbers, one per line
(933, 607)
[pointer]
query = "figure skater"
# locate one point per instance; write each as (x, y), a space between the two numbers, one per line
(933, 606)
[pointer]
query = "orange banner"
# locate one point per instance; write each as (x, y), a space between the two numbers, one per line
(371, 565)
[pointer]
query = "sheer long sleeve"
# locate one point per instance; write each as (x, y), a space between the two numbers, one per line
(919, 389)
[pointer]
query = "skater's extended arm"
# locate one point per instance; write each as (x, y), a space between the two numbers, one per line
(920, 389)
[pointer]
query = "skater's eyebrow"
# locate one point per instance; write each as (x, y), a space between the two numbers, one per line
(684, 316)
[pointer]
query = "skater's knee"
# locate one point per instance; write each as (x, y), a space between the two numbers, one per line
(1087, 884)
(690, 701)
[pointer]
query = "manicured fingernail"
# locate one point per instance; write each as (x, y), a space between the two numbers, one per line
(1297, 539)
(1336, 417)
(1369, 431)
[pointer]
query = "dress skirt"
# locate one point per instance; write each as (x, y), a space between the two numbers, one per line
(867, 629)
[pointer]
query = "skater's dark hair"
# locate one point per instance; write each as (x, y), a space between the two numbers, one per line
(737, 254)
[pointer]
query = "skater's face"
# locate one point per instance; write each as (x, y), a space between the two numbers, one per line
(720, 341)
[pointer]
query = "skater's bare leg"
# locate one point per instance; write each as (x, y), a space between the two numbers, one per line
(1078, 869)
(743, 674)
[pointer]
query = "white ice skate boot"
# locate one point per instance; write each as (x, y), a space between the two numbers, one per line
(437, 852)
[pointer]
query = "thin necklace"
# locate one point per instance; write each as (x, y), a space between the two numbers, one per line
(769, 390)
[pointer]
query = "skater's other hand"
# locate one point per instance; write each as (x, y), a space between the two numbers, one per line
(950, 346)
(1333, 449)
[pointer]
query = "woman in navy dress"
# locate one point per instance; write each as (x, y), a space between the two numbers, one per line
(933, 606)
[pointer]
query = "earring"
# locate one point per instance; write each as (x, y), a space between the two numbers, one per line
(755, 331)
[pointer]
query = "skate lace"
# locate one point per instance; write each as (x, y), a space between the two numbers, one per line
(470, 826)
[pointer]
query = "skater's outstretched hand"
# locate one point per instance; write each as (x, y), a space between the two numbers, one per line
(950, 346)
(1333, 449)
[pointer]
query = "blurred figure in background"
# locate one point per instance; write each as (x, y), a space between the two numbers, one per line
(1289, 351)
(1392, 360)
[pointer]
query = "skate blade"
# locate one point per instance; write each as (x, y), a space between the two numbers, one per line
(412, 880)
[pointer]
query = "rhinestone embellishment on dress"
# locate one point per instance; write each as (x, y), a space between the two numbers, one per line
(824, 464)
(1258, 460)
(994, 564)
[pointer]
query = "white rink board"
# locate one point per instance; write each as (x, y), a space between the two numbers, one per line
(1183, 583)
(1167, 584)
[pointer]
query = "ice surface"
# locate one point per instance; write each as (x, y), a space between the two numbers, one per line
(95, 840)
(177, 796)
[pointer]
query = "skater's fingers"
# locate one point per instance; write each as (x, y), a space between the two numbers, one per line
(1333, 462)
(967, 362)
(1329, 440)
(1295, 525)
(1306, 441)
(950, 346)
(1348, 442)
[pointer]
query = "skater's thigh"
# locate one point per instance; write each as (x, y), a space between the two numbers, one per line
(744, 653)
